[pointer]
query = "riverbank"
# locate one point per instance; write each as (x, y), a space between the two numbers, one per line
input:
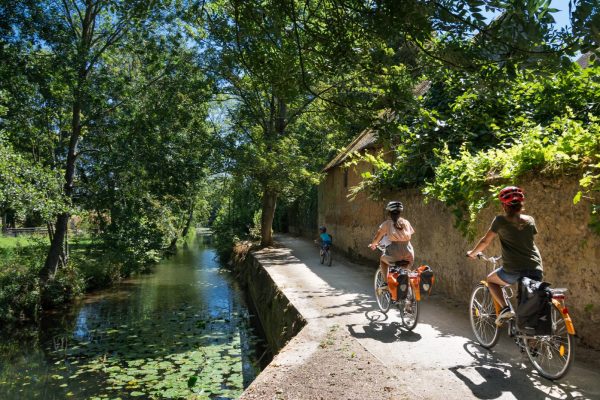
(348, 350)
(93, 265)
(182, 331)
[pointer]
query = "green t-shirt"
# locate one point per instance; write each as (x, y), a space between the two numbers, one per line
(519, 252)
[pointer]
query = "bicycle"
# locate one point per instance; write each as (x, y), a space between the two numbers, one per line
(551, 355)
(409, 305)
(325, 254)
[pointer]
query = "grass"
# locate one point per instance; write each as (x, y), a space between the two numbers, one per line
(9, 242)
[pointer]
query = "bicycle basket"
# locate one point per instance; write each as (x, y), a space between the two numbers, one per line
(426, 279)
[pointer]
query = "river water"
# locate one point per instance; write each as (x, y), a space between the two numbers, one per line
(183, 331)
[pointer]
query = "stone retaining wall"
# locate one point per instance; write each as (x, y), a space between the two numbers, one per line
(278, 317)
(570, 250)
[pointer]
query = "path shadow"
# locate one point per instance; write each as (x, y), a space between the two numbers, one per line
(384, 332)
(488, 377)
(354, 304)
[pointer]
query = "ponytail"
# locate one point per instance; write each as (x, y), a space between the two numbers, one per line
(513, 209)
(395, 218)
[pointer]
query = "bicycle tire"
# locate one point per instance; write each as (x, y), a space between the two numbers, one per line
(383, 297)
(409, 310)
(322, 256)
(327, 257)
(482, 315)
(557, 349)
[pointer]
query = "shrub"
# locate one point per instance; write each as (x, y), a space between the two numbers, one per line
(466, 183)
(19, 282)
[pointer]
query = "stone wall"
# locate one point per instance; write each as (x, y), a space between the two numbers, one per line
(570, 250)
(278, 317)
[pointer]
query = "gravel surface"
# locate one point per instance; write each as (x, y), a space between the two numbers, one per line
(331, 372)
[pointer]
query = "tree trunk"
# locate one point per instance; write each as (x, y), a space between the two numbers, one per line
(277, 126)
(57, 252)
(58, 248)
(269, 202)
(188, 223)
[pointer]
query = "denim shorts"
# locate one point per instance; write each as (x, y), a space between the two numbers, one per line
(512, 277)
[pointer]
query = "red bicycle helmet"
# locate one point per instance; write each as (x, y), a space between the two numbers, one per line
(511, 195)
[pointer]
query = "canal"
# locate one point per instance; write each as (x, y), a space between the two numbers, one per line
(183, 331)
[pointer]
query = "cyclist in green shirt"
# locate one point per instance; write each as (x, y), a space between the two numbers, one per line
(521, 257)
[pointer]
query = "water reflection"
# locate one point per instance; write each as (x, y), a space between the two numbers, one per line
(183, 330)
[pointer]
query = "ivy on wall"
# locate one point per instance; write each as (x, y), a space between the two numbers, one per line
(467, 183)
(471, 135)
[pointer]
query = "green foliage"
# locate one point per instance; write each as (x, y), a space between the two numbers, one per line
(473, 132)
(478, 111)
(19, 284)
(27, 186)
(236, 213)
(20, 293)
(67, 284)
(467, 183)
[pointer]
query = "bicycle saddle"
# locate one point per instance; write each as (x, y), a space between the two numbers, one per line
(402, 263)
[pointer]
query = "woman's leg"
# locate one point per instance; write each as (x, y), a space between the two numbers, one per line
(494, 284)
(384, 268)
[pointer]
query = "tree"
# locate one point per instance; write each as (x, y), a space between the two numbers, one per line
(275, 64)
(79, 37)
(143, 169)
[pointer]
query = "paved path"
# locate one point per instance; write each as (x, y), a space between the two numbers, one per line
(438, 359)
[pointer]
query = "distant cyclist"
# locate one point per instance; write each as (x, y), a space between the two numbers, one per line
(520, 255)
(398, 232)
(325, 239)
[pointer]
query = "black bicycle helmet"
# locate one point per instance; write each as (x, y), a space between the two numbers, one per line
(394, 206)
(322, 229)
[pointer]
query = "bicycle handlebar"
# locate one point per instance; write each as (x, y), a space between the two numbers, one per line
(493, 260)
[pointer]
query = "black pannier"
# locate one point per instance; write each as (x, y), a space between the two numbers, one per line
(535, 308)
(426, 279)
(402, 284)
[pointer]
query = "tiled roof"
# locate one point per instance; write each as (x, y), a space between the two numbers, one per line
(365, 139)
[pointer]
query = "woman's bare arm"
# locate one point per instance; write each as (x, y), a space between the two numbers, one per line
(483, 243)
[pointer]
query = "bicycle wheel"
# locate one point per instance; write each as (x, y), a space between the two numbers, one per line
(327, 257)
(381, 295)
(409, 310)
(322, 255)
(483, 317)
(552, 355)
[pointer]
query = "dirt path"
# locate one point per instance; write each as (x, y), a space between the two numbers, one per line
(438, 360)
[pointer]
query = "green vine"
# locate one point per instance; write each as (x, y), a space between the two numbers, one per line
(467, 183)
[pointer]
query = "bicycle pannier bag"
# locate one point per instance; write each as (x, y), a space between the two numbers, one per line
(535, 307)
(426, 279)
(402, 284)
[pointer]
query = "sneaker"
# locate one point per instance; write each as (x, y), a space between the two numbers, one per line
(505, 314)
